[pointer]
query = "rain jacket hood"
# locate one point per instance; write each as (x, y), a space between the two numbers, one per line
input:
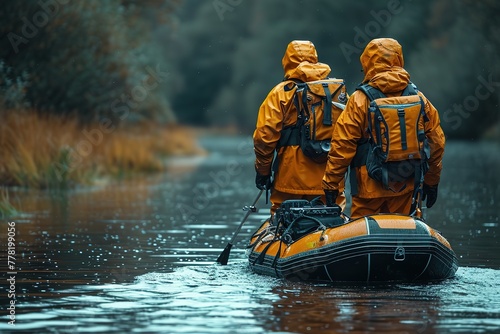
(383, 62)
(301, 62)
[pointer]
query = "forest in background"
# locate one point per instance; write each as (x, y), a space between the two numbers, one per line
(92, 59)
(93, 87)
(226, 55)
(212, 62)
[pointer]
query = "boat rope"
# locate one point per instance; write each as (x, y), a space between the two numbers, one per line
(275, 261)
(268, 231)
(260, 258)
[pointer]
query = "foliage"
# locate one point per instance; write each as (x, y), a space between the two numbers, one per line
(229, 63)
(6, 207)
(84, 58)
(213, 62)
(12, 89)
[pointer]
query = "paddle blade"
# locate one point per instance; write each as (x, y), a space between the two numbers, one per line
(224, 256)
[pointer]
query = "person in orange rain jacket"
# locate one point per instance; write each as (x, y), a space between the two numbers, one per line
(295, 175)
(382, 62)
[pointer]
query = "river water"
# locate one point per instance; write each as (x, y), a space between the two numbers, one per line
(139, 257)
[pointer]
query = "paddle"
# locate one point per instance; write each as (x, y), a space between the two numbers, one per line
(224, 256)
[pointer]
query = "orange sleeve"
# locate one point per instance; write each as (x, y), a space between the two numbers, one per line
(348, 130)
(268, 130)
(437, 140)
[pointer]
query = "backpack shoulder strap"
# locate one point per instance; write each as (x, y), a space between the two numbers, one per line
(290, 134)
(300, 101)
(287, 87)
(374, 93)
(370, 91)
(410, 89)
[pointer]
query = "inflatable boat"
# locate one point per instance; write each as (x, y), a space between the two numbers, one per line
(319, 244)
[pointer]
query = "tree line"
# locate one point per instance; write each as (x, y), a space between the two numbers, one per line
(228, 53)
(91, 59)
(212, 63)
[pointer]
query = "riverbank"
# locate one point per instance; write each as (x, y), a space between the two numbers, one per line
(50, 152)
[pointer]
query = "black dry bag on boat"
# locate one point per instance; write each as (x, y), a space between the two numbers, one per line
(297, 218)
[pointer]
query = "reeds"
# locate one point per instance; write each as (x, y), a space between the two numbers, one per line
(54, 152)
(6, 207)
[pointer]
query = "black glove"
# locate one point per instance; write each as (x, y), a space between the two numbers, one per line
(331, 197)
(431, 194)
(263, 182)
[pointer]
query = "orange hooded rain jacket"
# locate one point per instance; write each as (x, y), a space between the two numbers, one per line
(296, 173)
(382, 62)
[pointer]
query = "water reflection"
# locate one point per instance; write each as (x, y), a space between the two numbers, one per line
(217, 299)
(140, 256)
(188, 300)
(468, 207)
(360, 309)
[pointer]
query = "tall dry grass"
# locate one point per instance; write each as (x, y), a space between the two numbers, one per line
(29, 144)
(6, 207)
(53, 152)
